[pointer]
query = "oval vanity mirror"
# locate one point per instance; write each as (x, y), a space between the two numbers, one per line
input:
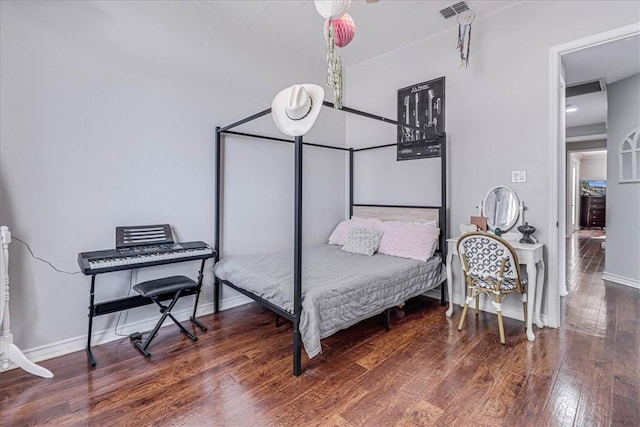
(501, 207)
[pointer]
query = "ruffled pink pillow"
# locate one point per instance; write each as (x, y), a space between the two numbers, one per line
(408, 240)
(341, 232)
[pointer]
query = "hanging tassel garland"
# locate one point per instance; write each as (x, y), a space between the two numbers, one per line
(464, 36)
(334, 69)
(339, 30)
(464, 40)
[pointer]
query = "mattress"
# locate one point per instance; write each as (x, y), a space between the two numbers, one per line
(339, 289)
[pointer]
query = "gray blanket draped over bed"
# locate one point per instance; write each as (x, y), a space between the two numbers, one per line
(339, 289)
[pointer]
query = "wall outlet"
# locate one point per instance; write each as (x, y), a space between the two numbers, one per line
(518, 176)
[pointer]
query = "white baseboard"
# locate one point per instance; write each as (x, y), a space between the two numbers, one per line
(511, 312)
(485, 305)
(434, 293)
(627, 281)
(78, 343)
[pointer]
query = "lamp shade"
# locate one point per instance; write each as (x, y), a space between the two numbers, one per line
(344, 29)
(332, 8)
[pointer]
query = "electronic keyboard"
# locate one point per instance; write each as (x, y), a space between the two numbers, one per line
(127, 258)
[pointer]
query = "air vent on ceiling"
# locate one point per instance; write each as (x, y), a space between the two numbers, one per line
(586, 87)
(453, 10)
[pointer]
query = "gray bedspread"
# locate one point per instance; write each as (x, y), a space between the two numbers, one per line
(339, 288)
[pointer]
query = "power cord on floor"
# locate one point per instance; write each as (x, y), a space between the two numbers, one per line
(44, 260)
(133, 277)
(115, 329)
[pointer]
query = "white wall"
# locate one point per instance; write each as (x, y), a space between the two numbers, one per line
(496, 110)
(623, 200)
(593, 168)
(586, 130)
(108, 113)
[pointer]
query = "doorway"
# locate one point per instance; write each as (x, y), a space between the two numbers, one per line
(587, 190)
(574, 191)
(586, 209)
(558, 223)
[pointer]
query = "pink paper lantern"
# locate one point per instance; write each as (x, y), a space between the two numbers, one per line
(344, 29)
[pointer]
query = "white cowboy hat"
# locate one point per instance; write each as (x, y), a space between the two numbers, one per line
(295, 109)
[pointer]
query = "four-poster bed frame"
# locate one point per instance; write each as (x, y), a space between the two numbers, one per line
(297, 259)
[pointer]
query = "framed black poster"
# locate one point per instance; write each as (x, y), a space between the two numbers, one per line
(421, 108)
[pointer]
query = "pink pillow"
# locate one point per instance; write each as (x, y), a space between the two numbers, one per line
(408, 240)
(341, 232)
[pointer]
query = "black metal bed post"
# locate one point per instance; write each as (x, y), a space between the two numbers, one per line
(443, 213)
(218, 225)
(350, 182)
(271, 138)
(247, 120)
(297, 261)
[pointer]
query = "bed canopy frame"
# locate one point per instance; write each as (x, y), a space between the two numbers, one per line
(297, 240)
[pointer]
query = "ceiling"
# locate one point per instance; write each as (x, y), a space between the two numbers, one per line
(380, 27)
(612, 61)
(609, 61)
(592, 108)
(389, 25)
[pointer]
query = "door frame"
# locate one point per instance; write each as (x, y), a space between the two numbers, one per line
(574, 201)
(558, 164)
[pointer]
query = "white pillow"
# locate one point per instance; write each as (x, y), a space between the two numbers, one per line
(363, 241)
(341, 232)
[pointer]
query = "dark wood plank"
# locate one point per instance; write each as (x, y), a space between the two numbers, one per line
(530, 401)
(422, 372)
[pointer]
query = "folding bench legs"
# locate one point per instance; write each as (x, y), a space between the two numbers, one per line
(166, 311)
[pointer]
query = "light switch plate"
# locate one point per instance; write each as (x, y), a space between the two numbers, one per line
(518, 176)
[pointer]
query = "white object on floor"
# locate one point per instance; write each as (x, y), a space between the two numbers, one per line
(9, 352)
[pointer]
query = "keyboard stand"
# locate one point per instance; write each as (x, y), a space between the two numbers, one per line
(115, 305)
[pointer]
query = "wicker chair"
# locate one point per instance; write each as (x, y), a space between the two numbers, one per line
(490, 267)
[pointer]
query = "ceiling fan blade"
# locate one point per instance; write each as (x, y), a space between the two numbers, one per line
(372, 1)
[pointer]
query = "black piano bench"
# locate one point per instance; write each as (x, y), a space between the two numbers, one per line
(155, 289)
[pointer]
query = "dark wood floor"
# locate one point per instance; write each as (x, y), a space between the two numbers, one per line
(422, 372)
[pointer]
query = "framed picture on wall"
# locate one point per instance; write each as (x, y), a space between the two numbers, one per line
(593, 187)
(421, 108)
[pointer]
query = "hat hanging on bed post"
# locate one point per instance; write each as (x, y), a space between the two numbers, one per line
(295, 109)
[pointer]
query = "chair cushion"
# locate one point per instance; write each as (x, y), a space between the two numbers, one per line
(165, 285)
(508, 283)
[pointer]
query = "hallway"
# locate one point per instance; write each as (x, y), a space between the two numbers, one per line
(600, 320)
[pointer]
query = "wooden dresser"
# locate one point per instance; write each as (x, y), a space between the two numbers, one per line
(593, 211)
